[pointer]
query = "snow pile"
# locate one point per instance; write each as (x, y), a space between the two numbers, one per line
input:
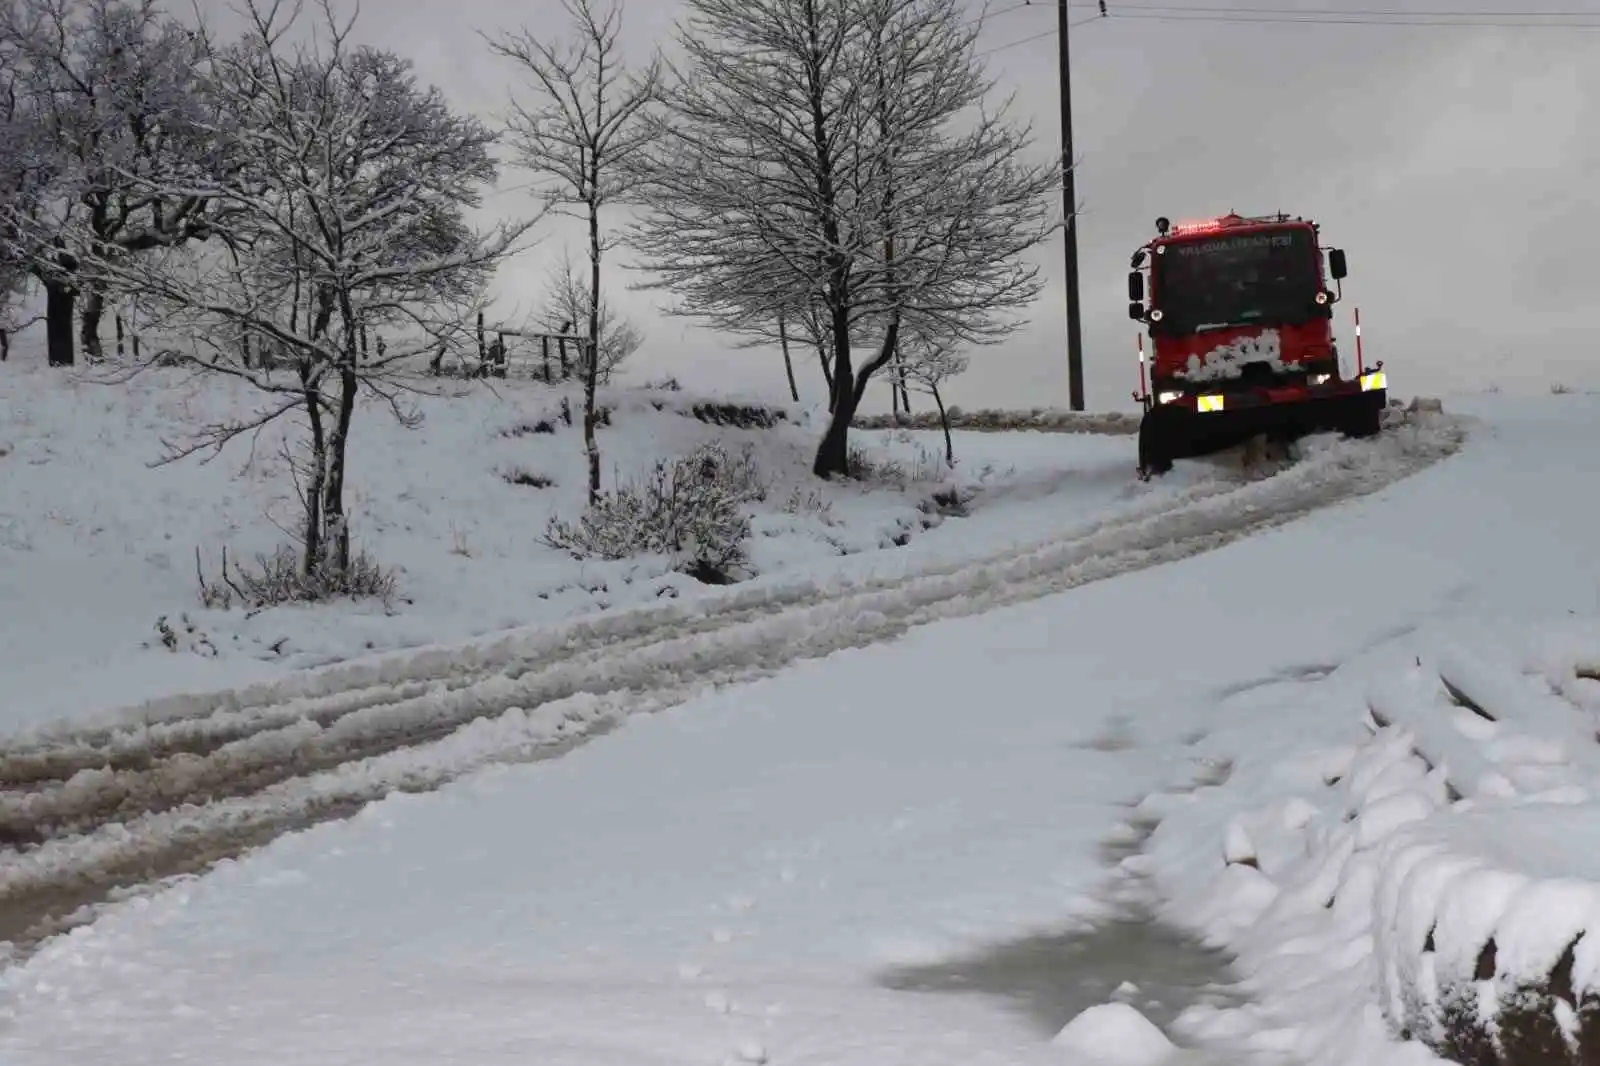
(1483, 933)
(1428, 887)
(1227, 360)
(1045, 419)
(1116, 1034)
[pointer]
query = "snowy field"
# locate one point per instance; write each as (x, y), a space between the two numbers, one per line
(101, 545)
(1288, 715)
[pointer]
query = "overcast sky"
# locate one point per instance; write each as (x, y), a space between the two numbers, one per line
(1457, 166)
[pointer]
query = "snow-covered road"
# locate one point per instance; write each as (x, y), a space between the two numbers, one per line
(201, 778)
(740, 878)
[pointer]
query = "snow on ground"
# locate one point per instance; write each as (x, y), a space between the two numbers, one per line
(1436, 877)
(100, 545)
(159, 789)
(738, 878)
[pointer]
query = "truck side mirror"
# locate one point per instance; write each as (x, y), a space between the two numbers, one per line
(1336, 264)
(1136, 310)
(1136, 286)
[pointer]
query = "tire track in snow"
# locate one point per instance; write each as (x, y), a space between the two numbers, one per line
(112, 807)
(112, 760)
(202, 725)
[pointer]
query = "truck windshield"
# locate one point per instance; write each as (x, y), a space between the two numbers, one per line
(1240, 279)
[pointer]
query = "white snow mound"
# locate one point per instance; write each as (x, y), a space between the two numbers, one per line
(1116, 1034)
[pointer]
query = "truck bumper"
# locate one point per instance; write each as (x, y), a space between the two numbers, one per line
(1179, 431)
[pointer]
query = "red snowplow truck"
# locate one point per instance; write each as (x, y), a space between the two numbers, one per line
(1240, 317)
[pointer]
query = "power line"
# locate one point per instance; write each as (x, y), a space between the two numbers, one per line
(1137, 5)
(1037, 36)
(988, 15)
(1263, 15)
(1291, 19)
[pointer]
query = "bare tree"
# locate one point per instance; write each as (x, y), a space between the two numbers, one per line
(567, 301)
(114, 89)
(842, 150)
(580, 138)
(927, 365)
(350, 215)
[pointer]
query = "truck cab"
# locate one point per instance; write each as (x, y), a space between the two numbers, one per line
(1240, 316)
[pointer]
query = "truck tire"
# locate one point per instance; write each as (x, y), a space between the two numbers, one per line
(1155, 445)
(1366, 415)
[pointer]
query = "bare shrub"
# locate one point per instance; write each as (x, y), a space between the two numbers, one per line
(812, 502)
(518, 476)
(866, 467)
(690, 509)
(741, 416)
(523, 429)
(948, 502)
(926, 467)
(282, 578)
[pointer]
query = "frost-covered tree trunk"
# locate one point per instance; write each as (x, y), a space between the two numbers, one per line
(313, 494)
(60, 299)
(94, 309)
(788, 361)
(336, 525)
(944, 424)
(591, 368)
(900, 381)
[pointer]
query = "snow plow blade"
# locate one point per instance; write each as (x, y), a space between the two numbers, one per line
(1174, 431)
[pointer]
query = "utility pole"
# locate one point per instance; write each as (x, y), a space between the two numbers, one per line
(1069, 197)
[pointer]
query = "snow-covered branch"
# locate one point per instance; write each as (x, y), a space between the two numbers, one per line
(109, 96)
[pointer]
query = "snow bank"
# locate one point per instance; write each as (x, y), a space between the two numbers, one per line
(1046, 419)
(1430, 889)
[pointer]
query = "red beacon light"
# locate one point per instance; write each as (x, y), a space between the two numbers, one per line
(1196, 227)
(1207, 225)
